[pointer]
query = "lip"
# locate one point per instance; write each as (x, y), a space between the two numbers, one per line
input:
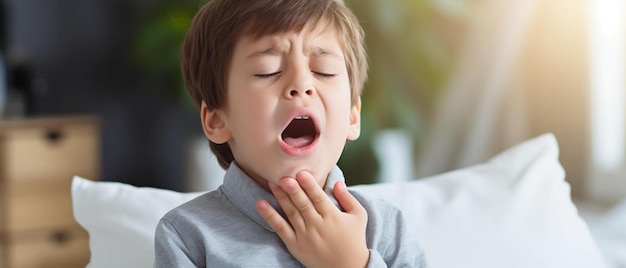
(302, 151)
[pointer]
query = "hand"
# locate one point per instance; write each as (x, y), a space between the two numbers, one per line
(318, 234)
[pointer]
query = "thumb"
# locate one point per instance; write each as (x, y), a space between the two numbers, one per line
(346, 200)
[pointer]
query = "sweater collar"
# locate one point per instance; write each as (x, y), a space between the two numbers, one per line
(244, 192)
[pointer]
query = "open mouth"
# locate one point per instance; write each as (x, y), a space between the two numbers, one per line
(300, 132)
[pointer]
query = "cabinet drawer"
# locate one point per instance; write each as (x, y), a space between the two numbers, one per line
(50, 249)
(49, 152)
(45, 204)
(38, 158)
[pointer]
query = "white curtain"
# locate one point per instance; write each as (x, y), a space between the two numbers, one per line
(482, 110)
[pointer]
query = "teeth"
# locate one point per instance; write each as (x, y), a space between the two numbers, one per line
(302, 117)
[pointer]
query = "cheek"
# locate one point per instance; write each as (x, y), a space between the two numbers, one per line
(339, 114)
(252, 120)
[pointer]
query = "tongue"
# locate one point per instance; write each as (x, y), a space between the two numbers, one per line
(299, 141)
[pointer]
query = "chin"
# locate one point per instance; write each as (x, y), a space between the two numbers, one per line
(319, 172)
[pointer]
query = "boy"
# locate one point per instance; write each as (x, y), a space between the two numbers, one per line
(278, 84)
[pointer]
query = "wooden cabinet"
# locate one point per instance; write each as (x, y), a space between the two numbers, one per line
(38, 158)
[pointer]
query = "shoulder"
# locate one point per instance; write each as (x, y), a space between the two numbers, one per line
(389, 234)
(180, 236)
(199, 211)
(196, 222)
(374, 205)
(382, 215)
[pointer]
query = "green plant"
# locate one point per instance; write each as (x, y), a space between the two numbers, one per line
(157, 44)
(411, 48)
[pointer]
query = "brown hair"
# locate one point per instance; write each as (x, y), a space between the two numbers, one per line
(207, 49)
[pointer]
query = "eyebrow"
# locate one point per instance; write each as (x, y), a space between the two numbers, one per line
(325, 52)
(275, 50)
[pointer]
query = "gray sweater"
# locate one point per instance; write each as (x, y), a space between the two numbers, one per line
(222, 228)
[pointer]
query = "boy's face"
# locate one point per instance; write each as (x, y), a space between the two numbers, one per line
(288, 105)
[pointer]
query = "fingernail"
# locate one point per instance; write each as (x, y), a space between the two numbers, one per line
(287, 182)
(304, 173)
(262, 205)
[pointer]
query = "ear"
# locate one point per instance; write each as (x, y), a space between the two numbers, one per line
(354, 130)
(214, 124)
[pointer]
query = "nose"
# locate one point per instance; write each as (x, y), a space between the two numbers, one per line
(300, 84)
(297, 93)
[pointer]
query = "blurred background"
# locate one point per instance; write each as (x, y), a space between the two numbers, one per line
(451, 83)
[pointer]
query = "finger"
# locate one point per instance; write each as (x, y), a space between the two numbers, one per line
(285, 202)
(274, 220)
(347, 201)
(300, 199)
(316, 195)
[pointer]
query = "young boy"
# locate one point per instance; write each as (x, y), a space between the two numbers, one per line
(278, 84)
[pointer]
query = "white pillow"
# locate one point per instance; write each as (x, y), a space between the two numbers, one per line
(121, 220)
(512, 211)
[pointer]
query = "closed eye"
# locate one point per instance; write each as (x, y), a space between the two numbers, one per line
(265, 76)
(324, 75)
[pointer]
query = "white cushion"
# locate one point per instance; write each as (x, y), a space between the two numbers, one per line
(512, 211)
(121, 220)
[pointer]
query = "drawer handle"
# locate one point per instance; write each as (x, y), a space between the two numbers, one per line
(60, 237)
(54, 136)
